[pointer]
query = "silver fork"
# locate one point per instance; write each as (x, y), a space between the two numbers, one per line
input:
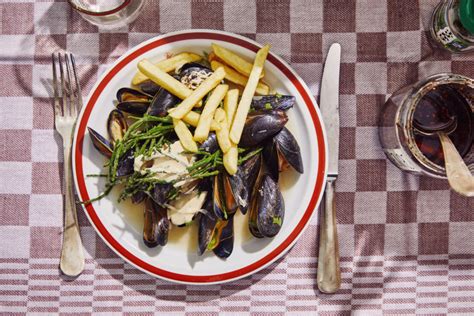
(67, 103)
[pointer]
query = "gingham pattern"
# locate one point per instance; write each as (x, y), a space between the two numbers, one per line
(407, 243)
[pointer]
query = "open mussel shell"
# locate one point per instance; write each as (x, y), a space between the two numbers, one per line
(125, 164)
(282, 151)
(162, 102)
(226, 242)
(139, 197)
(267, 210)
(275, 102)
(215, 235)
(244, 181)
(101, 143)
(210, 145)
(225, 201)
(116, 125)
(133, 101)
(193, 74)
(261, 125)
(156, 224)
(149, 87)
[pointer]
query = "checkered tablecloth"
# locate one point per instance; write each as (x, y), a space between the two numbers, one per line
(407, 243)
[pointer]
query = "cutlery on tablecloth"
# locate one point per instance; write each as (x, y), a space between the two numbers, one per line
(67, 103)
(329, 274)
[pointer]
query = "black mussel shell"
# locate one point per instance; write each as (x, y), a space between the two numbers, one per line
(129, 94)
(210, 145)
(281, 151)
(206, 224)
(138, 197)
(134, 107)
(101, 143)
(161, 192)
(224, 199)
(248, 173)
(125, 164)
(149, 87)
(162, 102)
(156, 225)
(226, 242)
(261, 125)
(267, 210)
(273, 102)
(116, 125)
(192, 74)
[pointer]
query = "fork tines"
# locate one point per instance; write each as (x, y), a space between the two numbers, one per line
(66, 88)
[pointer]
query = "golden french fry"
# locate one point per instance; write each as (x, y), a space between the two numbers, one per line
(223, 132)
(204, 125)
(164, 80)
(185, 136)
(168, 65)
(233, 60)
(230, 160)
(247, 95)
(230, 105)
(192, 118)
(237, 78)
(207, 85)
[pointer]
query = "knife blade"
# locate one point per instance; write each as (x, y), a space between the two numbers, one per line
(329, 272)
(329, 105)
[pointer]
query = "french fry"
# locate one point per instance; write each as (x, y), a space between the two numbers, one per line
(168, 65)
(249, 91)
(230, 160)
(223, 132)
(207, 85)
(192, 118)
(164, 80)
(237, 78)
(185, 136)
(230, 105)
(233, 60)
(204, 125)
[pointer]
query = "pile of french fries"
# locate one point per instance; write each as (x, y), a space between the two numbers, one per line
(228, 120)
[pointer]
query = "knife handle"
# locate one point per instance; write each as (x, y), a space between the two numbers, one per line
(329, 272)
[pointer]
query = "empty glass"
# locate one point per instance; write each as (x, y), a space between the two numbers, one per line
(108, 13)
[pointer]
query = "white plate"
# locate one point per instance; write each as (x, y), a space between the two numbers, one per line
(120, 225)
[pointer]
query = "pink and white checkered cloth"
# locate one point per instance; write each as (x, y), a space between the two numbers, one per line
(407, 243)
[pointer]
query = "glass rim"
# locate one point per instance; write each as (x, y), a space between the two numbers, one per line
(102, 13)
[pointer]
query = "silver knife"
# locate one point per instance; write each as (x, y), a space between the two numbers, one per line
(329, 273)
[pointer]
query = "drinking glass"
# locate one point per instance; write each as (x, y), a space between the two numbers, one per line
(108, 13)
(423, 155)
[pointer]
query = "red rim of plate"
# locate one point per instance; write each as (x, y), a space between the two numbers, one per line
(184, 277)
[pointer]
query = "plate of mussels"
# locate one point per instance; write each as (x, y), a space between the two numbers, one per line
(200, 156)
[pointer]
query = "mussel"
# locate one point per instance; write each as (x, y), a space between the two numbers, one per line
(225, 196)
(116, 125)
(193, 74)
(282, 151)
(139, 196)
(149, 87)
(101, 143)
(216, 235)
(244, 180)
(156, 224)
(261, 125)
(273, 102)
(161, 192)
(133, 101)
(125, 164)
(210, 145)
(162, 102)
(267, 209)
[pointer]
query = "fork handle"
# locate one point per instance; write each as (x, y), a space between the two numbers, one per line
(72, 254)
(329, 272)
